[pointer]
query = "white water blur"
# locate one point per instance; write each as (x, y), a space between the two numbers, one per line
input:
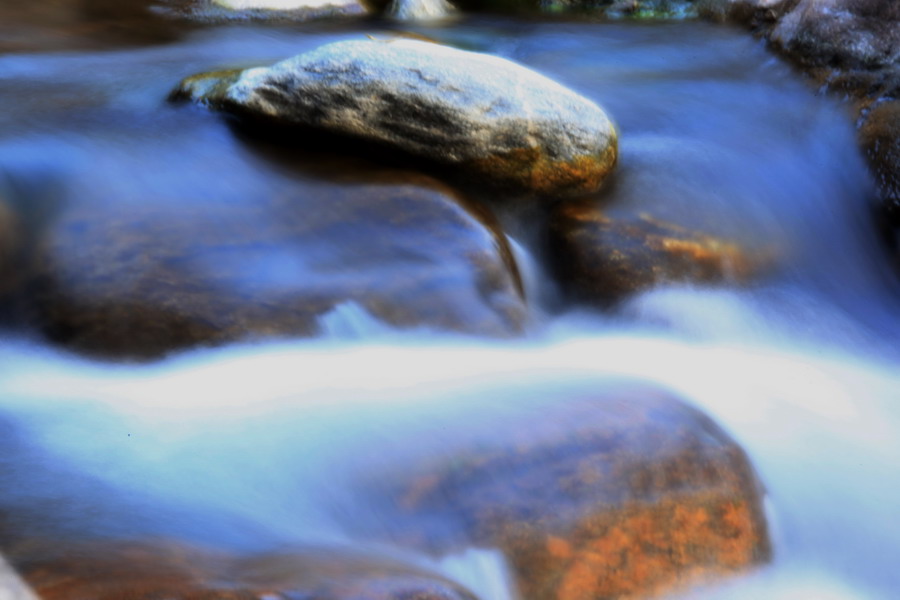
(253, 444)
(482, 571)
(267, 432)
(11, 585)
(420, 10)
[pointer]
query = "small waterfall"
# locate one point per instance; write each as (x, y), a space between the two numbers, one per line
(11, 585)
(420, 10)
(350, 321)
(482, 571)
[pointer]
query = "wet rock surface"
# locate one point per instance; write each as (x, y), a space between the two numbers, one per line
(150, 570)
(488, 117)
(850, 48)
(603, 258)
(11, 242)
(611, 9)
(626, 494)
(138, 279)
(68, 24)
(268, 10)
(880, 138)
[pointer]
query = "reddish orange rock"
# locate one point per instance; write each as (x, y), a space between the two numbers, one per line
(602, 259)
(627, 494)
(153, 570)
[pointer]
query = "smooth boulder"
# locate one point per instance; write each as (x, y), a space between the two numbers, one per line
(880, 138)
(487, 117)
(626, 492)
(142, 277)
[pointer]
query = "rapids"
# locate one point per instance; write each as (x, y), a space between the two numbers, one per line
(255, 446)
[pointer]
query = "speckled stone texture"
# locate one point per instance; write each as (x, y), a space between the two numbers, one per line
(488, 116)
(625, 494)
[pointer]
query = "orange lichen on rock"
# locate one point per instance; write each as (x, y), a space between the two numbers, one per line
(644, 549)
(529, 170)
(625, 495)
(603, 259)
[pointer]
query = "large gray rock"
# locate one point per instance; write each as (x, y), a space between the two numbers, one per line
(485, 115)
(213, 11)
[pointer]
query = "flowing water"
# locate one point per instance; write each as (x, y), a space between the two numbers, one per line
(254, 446)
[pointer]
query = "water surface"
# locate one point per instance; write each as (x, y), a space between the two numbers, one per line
(715, 134)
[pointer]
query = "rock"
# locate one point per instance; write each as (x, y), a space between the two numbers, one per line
(138, 279)
(267, 10)
(845, 33)
(274, 4)
(602, 259)
(487, 117)
(751, 12)
(623, 494)
(153, 570)
(11, 244)
(880, 138)
(67, 25)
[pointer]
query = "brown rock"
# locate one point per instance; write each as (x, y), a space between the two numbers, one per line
(10, 249)
(67, 24)
(602, 259)
(156, 570)
(880, 140)
(141, 278)
(845, 33)
(624, 494)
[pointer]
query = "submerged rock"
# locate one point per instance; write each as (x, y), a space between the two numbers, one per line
(624, 494)
(488, 117)
(602, 259)
(154, 570)
(139, 279)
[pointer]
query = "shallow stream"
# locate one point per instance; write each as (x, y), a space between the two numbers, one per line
(252, 446)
